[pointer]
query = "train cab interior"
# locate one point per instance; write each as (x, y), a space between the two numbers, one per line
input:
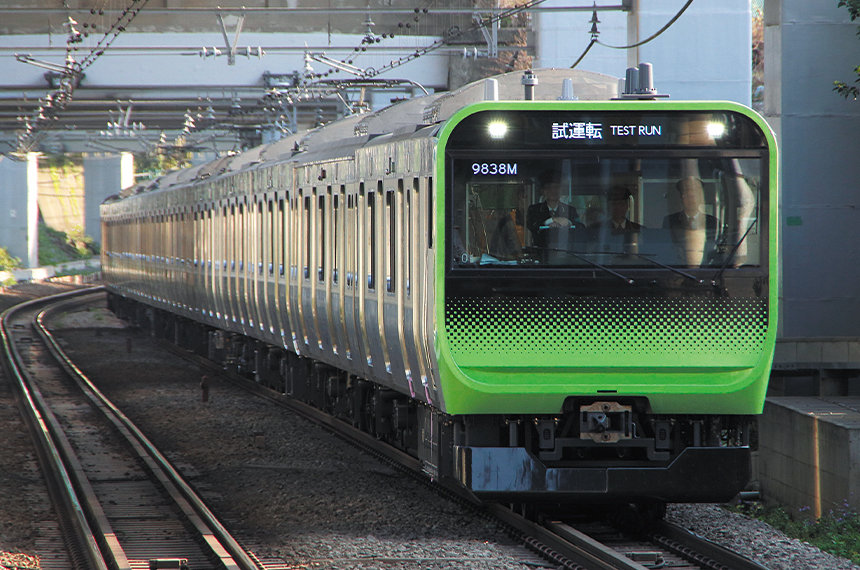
(608, 211)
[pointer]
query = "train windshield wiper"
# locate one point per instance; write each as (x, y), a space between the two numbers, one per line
(655, 262)
(669, 267)
(732, 253)
(581, 256)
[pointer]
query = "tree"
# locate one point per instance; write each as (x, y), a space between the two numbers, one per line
(844, 89)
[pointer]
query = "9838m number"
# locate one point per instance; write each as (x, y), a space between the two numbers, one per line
(494, 168)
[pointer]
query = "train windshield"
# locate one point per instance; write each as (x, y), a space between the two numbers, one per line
(607, 209)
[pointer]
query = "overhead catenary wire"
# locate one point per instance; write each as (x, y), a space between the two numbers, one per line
(655, 34)
(594, 39)
(56, 101)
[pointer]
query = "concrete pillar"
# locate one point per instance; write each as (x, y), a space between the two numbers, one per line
(807, 46)
(104, 175)
(19, 207)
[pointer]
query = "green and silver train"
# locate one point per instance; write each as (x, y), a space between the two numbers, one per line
(543, 300)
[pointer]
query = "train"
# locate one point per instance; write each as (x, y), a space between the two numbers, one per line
(544, 299)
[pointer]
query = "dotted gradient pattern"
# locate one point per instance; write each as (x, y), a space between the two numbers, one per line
(604, 331)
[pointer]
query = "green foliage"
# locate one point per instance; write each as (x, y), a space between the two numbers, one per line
(56, 247)
(60, 161)
(7, 261)
(154, 165)
(841, 87)
(836, 532)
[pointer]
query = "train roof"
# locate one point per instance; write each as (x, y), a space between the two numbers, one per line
(405, 118)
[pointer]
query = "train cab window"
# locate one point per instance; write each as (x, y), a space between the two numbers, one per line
(604, 211)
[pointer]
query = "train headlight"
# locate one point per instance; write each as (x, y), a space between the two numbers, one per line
(716, 129)
(497, 129)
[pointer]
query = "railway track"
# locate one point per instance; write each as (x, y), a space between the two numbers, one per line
(568, 544)
(120, 502)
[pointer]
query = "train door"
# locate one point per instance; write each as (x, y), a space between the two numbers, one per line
(329, 299)
(364, 278)
(257, 239)
(391, 245)
(375, 286)
(338, 313)
(410, 253)
(233, 237)
(352, 245)
(279, 266)
(270, 267)
(241, 258)
(221, 231)
(316, 281)
(288, 237)
(303, 254)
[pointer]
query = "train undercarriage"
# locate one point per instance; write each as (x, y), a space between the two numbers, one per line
(595, 450)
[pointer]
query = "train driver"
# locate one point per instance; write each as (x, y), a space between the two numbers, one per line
(549, 219)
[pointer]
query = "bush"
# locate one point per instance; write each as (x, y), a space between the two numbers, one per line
(56, 247)
(7, 261)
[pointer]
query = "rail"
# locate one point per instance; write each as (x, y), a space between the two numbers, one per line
(97, 544)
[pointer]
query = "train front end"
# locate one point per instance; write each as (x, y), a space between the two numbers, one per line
(607, 289)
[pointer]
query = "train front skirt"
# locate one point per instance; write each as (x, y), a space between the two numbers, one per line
(512, 474)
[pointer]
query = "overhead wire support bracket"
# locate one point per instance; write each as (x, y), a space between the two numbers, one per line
(231, 47)
(491, 36)
(345, 67)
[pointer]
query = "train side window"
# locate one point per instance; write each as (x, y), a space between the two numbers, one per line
(233, 236)
(337, 233)
(321, 238)
(270, 257)
(371, 268)
(208, 237)
(306, 235)
(351, 238)
(409, 224)
(240, 235)
(281, 243)
(391, 240)
(261, 243)
(429, 211)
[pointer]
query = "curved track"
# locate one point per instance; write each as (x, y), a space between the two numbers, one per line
(121, 503)
(108, 537)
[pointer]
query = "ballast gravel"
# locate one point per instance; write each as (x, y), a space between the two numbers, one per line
(754, 539)
(299, 495)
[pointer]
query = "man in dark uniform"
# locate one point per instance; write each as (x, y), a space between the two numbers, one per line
(549, 220)
(618, 223)
(618, 232)
(694, 232)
